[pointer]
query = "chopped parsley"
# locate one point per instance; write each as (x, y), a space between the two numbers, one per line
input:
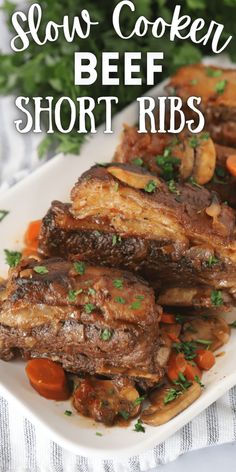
(91, 291)
(115, 239)
(211, 261)
(193, 142)
(124, 414)
(188, 348)
(118, 283)
(136, 305)
(220, 86)
(137, 161)
(12, 257)
(3, 214)
(138, 427)
(171, 395)
(196, 378)
(79, 267)
(167, 163)
(106, 334)
(213, 72)
(89, 307)
(150, 187)
(182, 382)
(216, 298)
(72, 295)
(204, 341)
(98, 434)
(68, 413)
(192, 181)
(120, 300)
(172, 187)
(40, 270)
(139, 400)
(193, 82)
(96, 233)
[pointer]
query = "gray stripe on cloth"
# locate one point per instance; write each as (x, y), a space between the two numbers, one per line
(30, 446)
(5, 445)
(82, 464)
(186, 438)
(232, 399)
(56, 459)
(160, 453)
(134, 464)
(108, 466)
(212, 421)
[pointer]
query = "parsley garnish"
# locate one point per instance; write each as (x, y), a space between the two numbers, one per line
(79, 267)
(220, 86)
(138, 427)
(40, 270)
(72, 295)
(193, 142)
(193, 82)
(171, 395)
(136, 305)
(115, 239)
(172, 187)
(204, 341)
(3, 214)
(139, 400)
(106, 334)
(125, 414)
(68, 413)
(150, 187)
(192, 181)
(98, 434)
(188, 348)
(91, 291)
(118, 283)
(167, 163)
(182, 382)
(211, 261)
(137, 161)
(120, 300)
(12, 257)
(196, 378)
(213, 72)
(89, 307)
(216, 298)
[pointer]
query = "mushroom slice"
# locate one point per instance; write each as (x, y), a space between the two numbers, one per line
(133, 179)
(205, 161)
(106, 401)
(213, 330)
(185, 153)
(161, 412)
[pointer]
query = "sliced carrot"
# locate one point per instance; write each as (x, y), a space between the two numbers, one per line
(32, 234)
(173, 337)
(48, 379)
(192, 371)
(176, 364)
(231, 164)
(205, 359)
(168, 318)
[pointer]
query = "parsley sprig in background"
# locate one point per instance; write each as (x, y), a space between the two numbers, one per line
(48, 70)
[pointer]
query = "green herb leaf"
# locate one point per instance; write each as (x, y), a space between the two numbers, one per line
(220, 86)
(213, 72)
(68, 413)
(89, 307)
(12, 258)
(136, 305)
(171, 395)
(204, 341)
(193, 82)
(233, 325)
(79, 267)
(150, 187)
(3, 214)
(196, 378)
(118, 283)
(72, 295)
(172, 187)
(211, 261)
(91, 291)
(98, 434)
(216, 298)
(193, 142)
(137, 161)
(116, 239)
(125, 414)
(188, 348)
(40, 270)
(138, 427)
(139, 400)
(120, 300)
(106, 334)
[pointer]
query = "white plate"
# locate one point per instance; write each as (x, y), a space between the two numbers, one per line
(29, 200)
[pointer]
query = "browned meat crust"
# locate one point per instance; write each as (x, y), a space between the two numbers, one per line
(167, 237)
(219, 107)
(82, 320)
